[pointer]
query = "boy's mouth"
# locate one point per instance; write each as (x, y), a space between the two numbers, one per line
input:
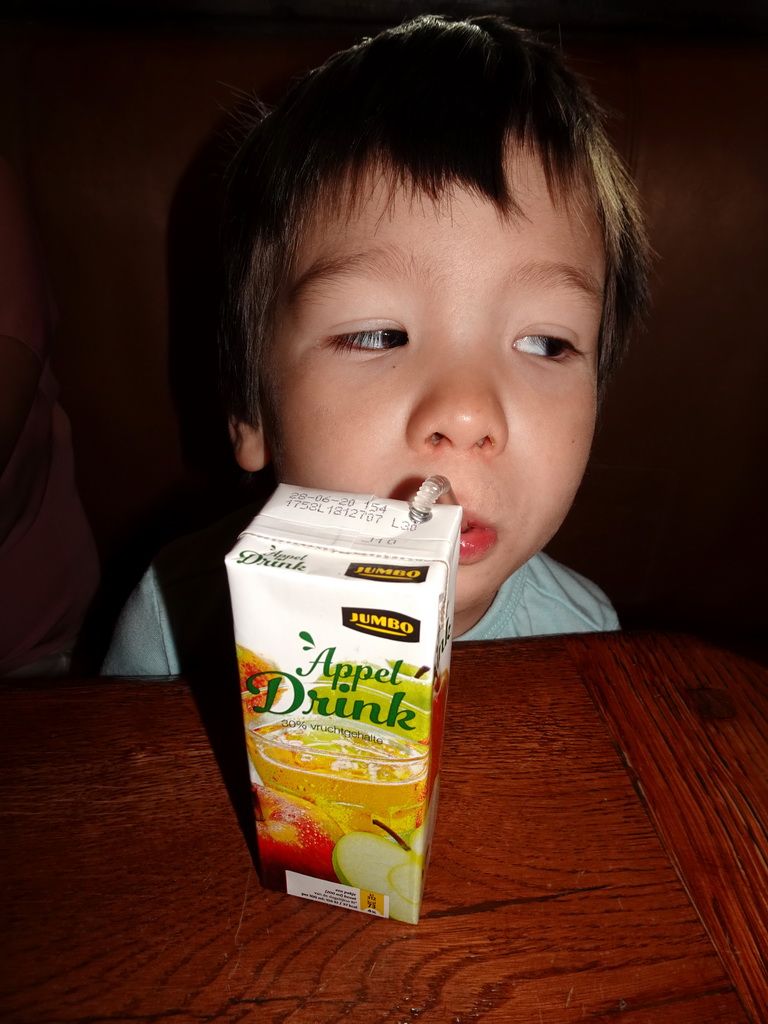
(476, 541)
(477, 538)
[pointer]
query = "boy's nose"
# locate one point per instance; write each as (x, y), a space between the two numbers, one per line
(460, 413)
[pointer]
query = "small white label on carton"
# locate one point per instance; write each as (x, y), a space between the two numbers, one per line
(336, 895)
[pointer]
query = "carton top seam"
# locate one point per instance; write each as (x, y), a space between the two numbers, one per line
(388, 556)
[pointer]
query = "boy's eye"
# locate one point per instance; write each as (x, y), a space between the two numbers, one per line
(543, 345)
(368, 341)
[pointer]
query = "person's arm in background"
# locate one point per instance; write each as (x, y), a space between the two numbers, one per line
(19, 372)
(26, 325)
(49, 568)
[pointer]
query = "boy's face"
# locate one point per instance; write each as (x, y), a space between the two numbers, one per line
(420, 339)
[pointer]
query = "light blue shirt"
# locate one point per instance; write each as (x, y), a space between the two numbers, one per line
(545, 597)
(179, 614)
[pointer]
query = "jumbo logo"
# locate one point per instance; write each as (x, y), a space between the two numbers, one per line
(382, 623)
(388, 573)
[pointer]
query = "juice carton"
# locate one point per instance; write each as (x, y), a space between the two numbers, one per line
(343, 610)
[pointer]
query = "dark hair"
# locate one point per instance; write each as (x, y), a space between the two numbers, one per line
(433, 103)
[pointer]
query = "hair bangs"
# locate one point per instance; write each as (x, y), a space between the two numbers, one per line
(435, 110)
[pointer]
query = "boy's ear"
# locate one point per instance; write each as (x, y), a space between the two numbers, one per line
(250, 444)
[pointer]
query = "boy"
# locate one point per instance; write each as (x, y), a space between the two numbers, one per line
(434, 261)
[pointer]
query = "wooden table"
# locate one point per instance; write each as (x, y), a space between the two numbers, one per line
(600, 854)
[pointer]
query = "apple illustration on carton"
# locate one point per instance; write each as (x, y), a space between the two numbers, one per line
(385, 864)
(294, 835)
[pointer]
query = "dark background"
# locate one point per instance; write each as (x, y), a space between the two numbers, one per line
(702, 17)
(118, 119)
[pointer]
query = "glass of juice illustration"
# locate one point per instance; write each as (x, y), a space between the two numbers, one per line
(363, 780)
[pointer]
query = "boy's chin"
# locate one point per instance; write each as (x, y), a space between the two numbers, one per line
(478, 584)
(468, 614)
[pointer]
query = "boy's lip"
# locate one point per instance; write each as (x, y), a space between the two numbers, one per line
(476, 541)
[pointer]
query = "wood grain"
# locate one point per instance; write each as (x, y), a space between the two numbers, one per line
(692, 723)
(131, 896)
